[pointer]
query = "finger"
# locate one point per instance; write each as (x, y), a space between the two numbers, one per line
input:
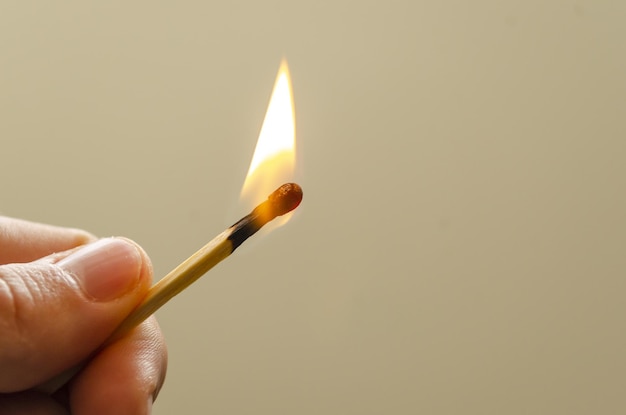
(55, 311)
(125, 377)
(24, 241)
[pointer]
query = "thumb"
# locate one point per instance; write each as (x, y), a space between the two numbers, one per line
(55, 311)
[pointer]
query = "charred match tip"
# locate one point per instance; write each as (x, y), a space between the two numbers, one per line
(283, 200)
(286, 198)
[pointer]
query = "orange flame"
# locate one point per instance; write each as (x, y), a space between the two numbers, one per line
(274, 159)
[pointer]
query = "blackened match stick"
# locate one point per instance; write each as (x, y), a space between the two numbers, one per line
(283, 200)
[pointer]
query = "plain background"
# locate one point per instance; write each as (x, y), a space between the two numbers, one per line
(461, 244)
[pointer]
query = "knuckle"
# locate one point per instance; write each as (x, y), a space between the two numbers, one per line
(18, 299)
(29, 303)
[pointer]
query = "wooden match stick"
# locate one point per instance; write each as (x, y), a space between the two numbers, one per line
(283, 200)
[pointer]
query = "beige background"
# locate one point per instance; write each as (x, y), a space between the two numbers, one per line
(460, 248)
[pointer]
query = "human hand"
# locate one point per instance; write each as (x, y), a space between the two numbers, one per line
(62, 293)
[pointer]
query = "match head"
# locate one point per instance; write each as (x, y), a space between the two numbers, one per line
(285, 199)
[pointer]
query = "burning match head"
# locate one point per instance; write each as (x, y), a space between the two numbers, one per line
(285, 199)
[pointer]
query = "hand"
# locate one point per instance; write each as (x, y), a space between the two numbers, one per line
(62, 292)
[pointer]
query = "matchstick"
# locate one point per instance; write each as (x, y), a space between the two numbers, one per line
(283, 200)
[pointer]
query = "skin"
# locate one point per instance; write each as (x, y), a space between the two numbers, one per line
(50, 323)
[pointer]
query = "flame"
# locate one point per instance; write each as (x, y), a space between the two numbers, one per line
(274, 159)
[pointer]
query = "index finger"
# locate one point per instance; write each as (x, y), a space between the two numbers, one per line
(25, 241)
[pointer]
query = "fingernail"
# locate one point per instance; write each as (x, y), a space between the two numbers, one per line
(106, 269)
